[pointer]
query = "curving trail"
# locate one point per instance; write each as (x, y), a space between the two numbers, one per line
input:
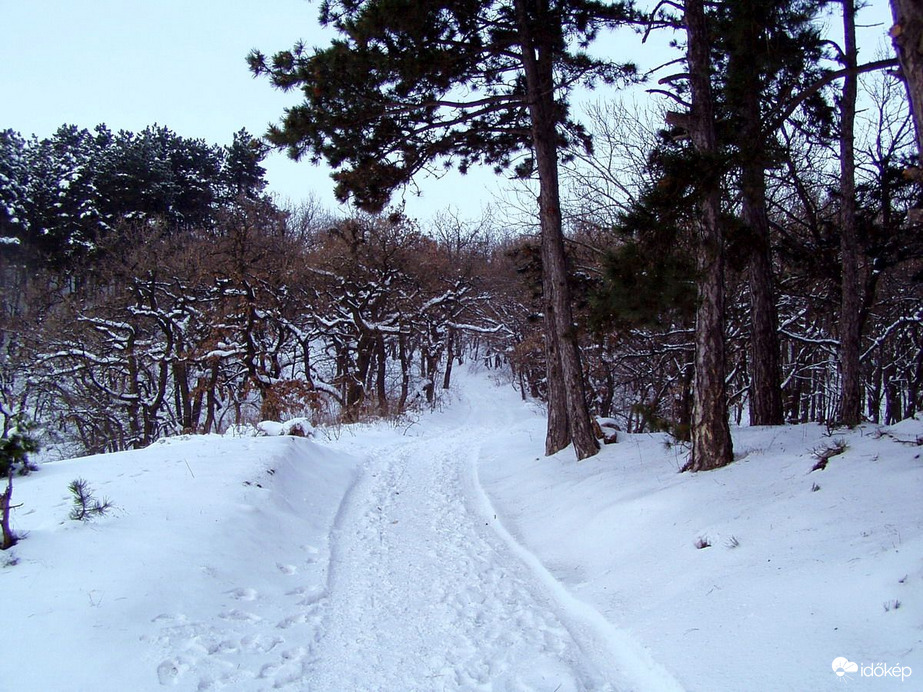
(425, 596)
(425, 590)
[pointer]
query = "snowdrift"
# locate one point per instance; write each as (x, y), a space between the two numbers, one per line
(215, 546)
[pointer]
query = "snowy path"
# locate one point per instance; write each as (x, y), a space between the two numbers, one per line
(428, 591)
(425, 596)
(376, 561)
(371, 562)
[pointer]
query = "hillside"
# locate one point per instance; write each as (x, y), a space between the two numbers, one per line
(447, 554)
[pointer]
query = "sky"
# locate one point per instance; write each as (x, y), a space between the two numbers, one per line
(182, 64)
(176, 63)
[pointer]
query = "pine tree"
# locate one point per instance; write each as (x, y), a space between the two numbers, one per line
(711, 435)
(16, 444)
(12, 187)
(242, 173)
(907, 34)
(768, 49)
(195, 171)
(850, 398)
(410, 84)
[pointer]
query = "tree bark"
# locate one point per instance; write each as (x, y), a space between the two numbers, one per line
(405, 371)
(907, 35)
(450, 351)
(850, 400)
(568, 415)
(711, 434)
(7, 537)
(381, 388)
(765, 370)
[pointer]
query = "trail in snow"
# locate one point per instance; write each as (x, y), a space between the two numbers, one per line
(376, 561)
(428, 592)
(425, 590)
(423, 595)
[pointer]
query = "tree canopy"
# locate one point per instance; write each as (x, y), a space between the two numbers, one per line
(411, 84)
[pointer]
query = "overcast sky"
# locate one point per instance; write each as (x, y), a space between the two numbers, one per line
(182, 64)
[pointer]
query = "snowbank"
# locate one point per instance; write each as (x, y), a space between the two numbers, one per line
(756, 576)
(215, 547)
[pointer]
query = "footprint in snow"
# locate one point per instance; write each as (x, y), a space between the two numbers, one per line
(240, 615)
(244, 594)
(168, 672)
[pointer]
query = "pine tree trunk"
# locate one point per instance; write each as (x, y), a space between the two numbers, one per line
(568, 415)
(765, 369)
(7, 537)
(557, 434)
(907, 34)
(850, 399)
(711, 434)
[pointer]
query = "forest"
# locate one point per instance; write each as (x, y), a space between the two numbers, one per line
(150, 285)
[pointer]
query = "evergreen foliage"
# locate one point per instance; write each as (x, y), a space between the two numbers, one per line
(63, 198)
(432, 84)
(16, 444)
(85, 505)
(12, 186)
(643, 289)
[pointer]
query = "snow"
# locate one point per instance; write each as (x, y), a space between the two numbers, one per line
(297, 427)
(447, 554)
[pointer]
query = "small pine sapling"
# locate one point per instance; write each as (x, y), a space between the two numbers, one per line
(86, 507)
(15, 446)
(7, 538)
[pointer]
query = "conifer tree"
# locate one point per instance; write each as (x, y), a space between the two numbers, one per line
(907, 34)
(711, 434)
(850, 397)
(242, 173)
(768, 49)
(12, 186)
(16, 443)
(409, 85)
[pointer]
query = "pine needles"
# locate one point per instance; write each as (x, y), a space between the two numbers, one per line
(86, 506)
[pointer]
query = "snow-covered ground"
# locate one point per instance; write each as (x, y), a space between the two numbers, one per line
(448, 554)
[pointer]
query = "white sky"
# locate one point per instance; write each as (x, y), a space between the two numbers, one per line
(181, 64)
